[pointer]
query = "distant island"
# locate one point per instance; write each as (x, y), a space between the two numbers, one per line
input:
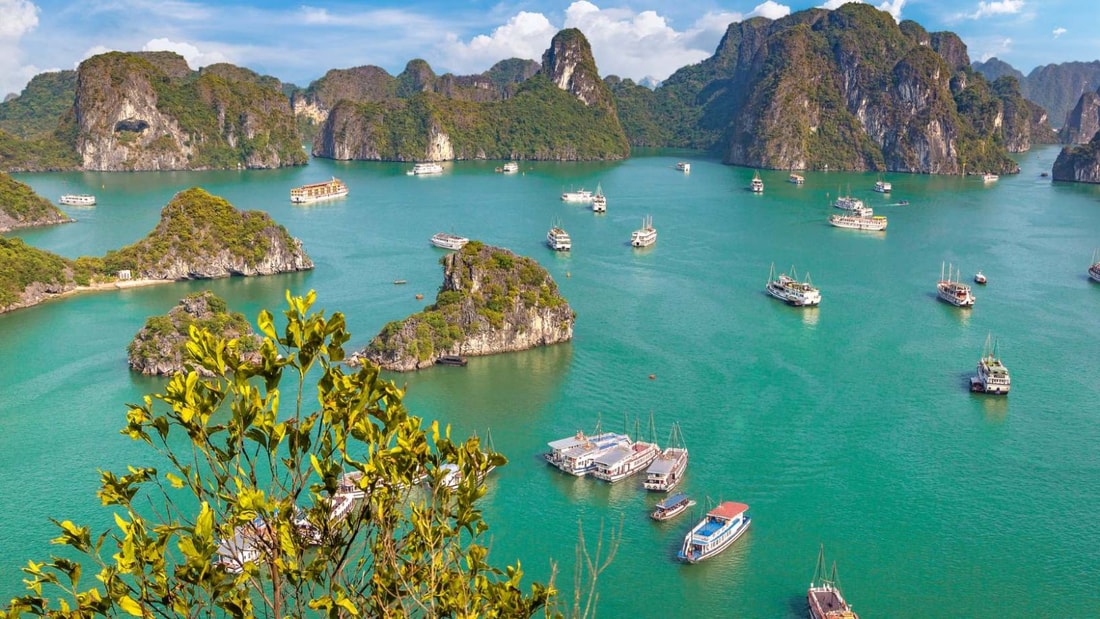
(491, 301)
(21, 207)
(199, 236)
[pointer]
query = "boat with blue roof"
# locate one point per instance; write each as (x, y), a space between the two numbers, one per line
(672, 506)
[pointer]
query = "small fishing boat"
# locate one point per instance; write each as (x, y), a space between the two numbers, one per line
(992, 374)
(457, 360)
(824, 597)
(952, 290)
(979, 278)
(715, 532)
(671, 507)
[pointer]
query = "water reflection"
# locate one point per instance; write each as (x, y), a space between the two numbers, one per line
(810, 316)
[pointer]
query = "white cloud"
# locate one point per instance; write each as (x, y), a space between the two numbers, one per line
(893, 7)
(1058, 32)
(525, 35)
(195, 58)
(17, 18)
(771, 10)
(836, 4)
(999, 7)
(997, 47)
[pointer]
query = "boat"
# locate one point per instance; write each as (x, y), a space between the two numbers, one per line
(580, 195)
(77, 199)
(848, 203)
(644, 236)
(315, 192)
(788, 289)
(824, 597)
(667, 470)
(558, 239)
(882, 186)
(979, 278)
(247, 545)
(577, 454)
(683, 166)
(797, 179)
(992, 374)
(902, 203)
(875, 223)
(510, 167)
(624, 460)
(715, 532)
(451, 360)
(449, 241)
(671, 507)
(425, 169)
(1094, 269)
(989, 177)
(599, 201)
(952, 290)
(756, 185)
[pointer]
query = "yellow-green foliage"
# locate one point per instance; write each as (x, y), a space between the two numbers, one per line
(213, 316)
(22, 265)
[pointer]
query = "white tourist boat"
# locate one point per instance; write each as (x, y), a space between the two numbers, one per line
(882, 186)
(577, 454)
(1094, 268)
(722, 526)
(449, 241)
(667, 471)
(510, 167)
(789, 290)
(824, 597)
(599, 201)
(580, 195)
(756, 184)
(315, 192)
(848, 203)
(989, 177)
(558, 239)
(796, 179)
(425, 169)
(644, 236)
(683, 166)
(671, 507)
(622, 461)
(952, 290)
(992, 376)
(246, 545)
(77, 199)
(874, 223)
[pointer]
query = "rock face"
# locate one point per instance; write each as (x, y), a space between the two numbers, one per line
(570, 65)
(1079, 164)
(29, 276)
(1083, 121)
(1024, 122)
(160, 346)
(200, 236)
(21, 207)
(149, 111)
(491, 301)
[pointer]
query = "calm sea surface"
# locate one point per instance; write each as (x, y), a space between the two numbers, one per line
(849, 425)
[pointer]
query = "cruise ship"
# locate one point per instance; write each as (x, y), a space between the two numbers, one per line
(316, 192)
(577, 454)
(789, 290)
(992, 374)
(952, 290)
(599, 201)
(824, 597)
(445, 240)
(756, 185)
(81, 199)
(580, 195)
(558, 239)
(721, 527)
(425, 169)
(874, 223)
(625, 460)
(848, 203)
(644, 236)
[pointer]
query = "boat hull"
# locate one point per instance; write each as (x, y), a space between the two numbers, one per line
(724, 543)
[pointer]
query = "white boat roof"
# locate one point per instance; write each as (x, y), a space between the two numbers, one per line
(661, 466)
(613, 456)
(565, 443)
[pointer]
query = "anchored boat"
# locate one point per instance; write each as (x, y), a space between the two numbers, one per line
(952, 290)
(824, 597)
(644, 236)
(788, 289)
(721, 527)
(446, 240)
(671, 507)
(666, 472)
(992, 376)
(315, 192)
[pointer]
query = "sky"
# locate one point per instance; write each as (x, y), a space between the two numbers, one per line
(298, 41)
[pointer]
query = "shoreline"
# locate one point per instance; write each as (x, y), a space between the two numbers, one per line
(104, 287)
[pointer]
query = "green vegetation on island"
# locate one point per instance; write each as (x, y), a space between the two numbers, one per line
(38, 110)
(21, 207)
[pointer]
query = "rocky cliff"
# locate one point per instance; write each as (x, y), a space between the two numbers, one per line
(159, 348)
(491, 301)
(21, 207)
(1024, 122)
(149, 111)
(1079, 163)
(29, 276)
(1083, 121)
(565, 112)
(1055, 87)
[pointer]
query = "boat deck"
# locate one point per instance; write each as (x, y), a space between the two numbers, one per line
(710, 527)
(828, 600)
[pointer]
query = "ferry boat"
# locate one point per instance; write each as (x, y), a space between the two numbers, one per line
(797, 179)
(77, 199)
(558, 239)
(824, 597)
(671, 507)
(989, 177)
(952, 290)
(848, 203)
(788, 289)
(449, 241)
(979, 278)
(756, 185)
(683, 166)
(599, 201)
(316, 192)
(509, 168)
(580, 195)
(576, 454)
(883, 187)
(992, 374)
(624, 460)
(1094, 269)
(874, 223)
(644, 236)
(425, 169)
(714, 533)
(667, 471)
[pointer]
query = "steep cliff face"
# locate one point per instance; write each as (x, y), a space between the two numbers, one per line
(1079, 163)
(570, 65)
(1025, 123)
(21, 207)
(1083, 121)
(150, 112)
(491, 301)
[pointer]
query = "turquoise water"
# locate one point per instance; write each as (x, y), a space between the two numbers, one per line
(849, 425)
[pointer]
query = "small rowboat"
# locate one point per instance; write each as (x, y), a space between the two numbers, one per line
(672, 506)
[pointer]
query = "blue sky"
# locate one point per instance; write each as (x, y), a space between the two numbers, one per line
(298, 41)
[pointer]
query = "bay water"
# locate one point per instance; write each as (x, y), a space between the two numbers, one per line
(848, 425)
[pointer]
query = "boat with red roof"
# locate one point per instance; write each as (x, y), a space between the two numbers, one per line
(717, 531)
